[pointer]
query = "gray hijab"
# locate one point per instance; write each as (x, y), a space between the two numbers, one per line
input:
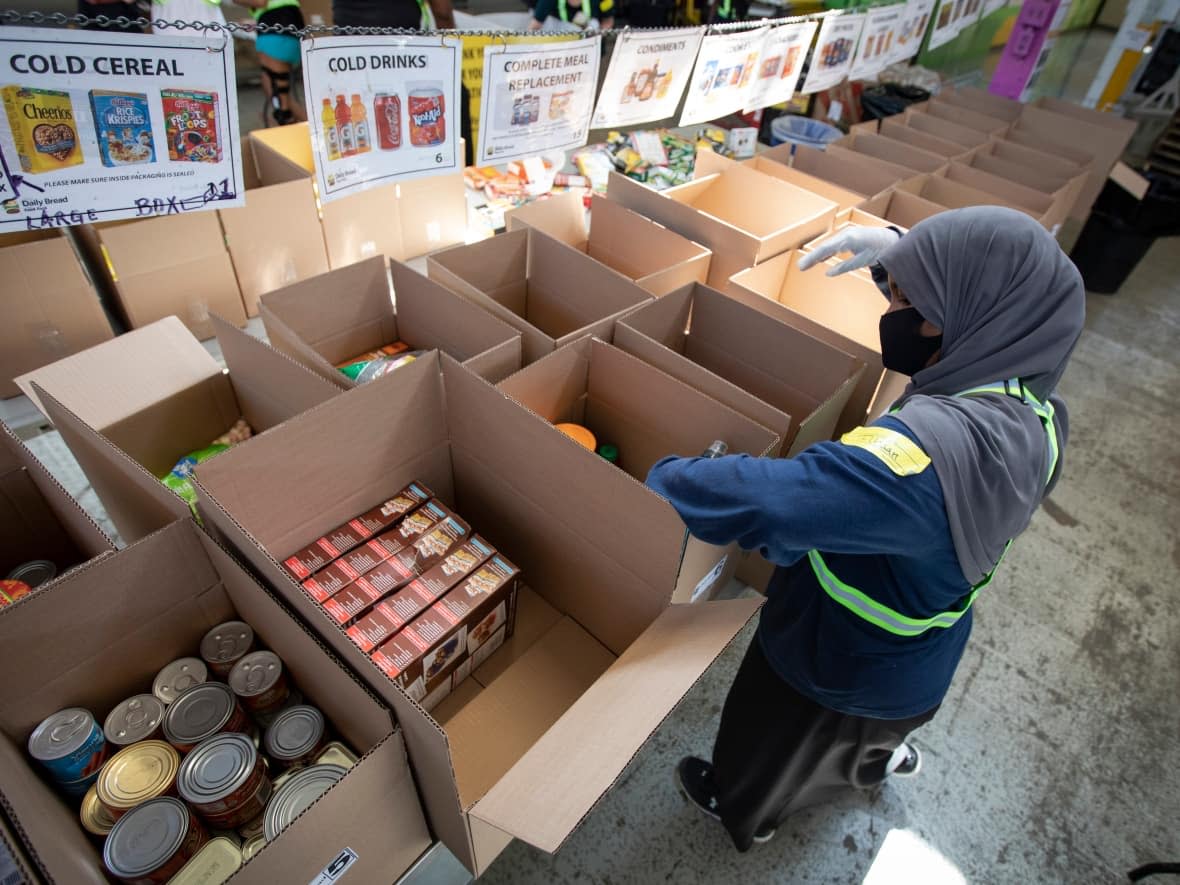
(1010, 305)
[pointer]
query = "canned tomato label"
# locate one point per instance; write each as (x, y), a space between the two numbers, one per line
(428, 115)
(71, 745)
(152, 843)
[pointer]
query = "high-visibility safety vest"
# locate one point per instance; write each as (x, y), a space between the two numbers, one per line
(864, 606)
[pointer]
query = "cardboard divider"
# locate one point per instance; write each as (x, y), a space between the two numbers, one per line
(38, 518)
(331, 318)
(952, 193)
(961, 116)
(550, 292)
(645, 252)
(1008, 161)
(898, 131)
(742, 215)
(861, 174)
(901, 207)
(947, 130)
(906, 156)
(708, 162)
(50, 305)
(984, 102)
(160, 596)
(599, 547)
(1042, 207)
(129, 409)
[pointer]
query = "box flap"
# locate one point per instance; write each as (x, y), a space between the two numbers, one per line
(153, 244)
(121, 377)
(544, 797)
(1130, 180)
(1124, 127)
(1001, 161)
(291, 144)
(432, 212)
(842, 197)
(953, 195)
(561, 216)
(363, 225)
(642, 249)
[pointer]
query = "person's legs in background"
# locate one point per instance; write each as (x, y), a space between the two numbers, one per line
(277, 53)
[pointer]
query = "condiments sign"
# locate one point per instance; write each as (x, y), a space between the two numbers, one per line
(381, 109)
(103, 127)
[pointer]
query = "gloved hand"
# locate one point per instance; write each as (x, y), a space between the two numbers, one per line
(865, 243)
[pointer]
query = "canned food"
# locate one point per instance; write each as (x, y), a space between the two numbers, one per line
(201, 712)
(95, 818)
(178, 677)
(225, 645)
(136, 774)
(252, 828)
(225, 781)
(336, 753)
(72, 747)
(259, 681)
(35, 572)
(252, 846)
(136, 719)
(295, 737)
(428, 119)
(217, 860)
(297, 794)
(13, 591)
(150, 844)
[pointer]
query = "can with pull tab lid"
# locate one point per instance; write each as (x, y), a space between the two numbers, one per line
(178, 677)
(139, 718)
(225, 781)
(260, 682)
(71, 746)
(225, 645)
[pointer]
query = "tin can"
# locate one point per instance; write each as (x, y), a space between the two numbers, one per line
(35, 572)
(252, 828)
(136, 719)
(225, 781)
(260, 683)
(387, 111)
(201, 712)
(12, 591)
(150, 844)
(178, 677)
(71, 745)
(96, 820)
(137, 774)
(297, 794)
(336, 753)
(296, 736)
(428, 117)
(252, 846)
(225, 645)
(218, 859)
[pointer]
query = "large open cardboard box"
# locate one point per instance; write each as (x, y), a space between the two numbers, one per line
(326, 320)
(49, 304)
(276, 238)
(1041, 206)
(130, 408)
(647, 414)
(38, 518)
(1032, 168)
(947, 130)
(708, 162)
(566, 703)
(893, 127)
(549, 291)
(905, 156)
(645, 252)
(962, 116)
(949, 192)
(859, 173)
(101, 633)
(982, 101)
(901, 208)
(401, 220)
(743, 215)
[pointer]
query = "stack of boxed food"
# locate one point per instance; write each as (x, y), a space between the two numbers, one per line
(414, 589)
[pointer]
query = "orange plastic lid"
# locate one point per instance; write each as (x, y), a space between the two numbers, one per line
(579, 434)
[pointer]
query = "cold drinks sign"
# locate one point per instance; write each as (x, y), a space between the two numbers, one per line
(381, 109)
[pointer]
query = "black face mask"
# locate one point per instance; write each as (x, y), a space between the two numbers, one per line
(903, 347)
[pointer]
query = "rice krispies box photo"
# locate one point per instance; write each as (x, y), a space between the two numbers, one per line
(99, 127)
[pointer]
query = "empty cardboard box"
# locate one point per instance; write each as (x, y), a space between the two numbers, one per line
(549, 291)
(860, 173)
(326, 320)
(906, 156)
(653, 257)
(900, 207)
(894, 128)
(708, 162)
(130, 408)
(157, 599)
(49, 303)
(947, 130)
(962, 116)
(1040, 206)
(982, 101)
(565, 704)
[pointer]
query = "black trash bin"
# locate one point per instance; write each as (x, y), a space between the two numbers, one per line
(1121, 229)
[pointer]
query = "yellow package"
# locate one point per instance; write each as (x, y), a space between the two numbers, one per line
(43, 128)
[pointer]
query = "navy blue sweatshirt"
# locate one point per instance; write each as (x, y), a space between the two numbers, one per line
(882, 532)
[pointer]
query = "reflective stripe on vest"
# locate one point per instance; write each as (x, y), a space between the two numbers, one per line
(864, 606)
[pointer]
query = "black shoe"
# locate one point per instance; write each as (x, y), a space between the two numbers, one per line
(694, 777)
(906, 761)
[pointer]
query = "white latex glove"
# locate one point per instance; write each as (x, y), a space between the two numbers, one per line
(865, 243)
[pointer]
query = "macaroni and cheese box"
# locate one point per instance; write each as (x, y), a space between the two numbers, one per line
(44, 132)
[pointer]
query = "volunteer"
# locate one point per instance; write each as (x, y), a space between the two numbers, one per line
(277, 55)
(883, 539)
(595, 15)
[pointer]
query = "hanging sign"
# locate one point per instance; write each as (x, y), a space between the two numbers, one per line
(646, 78)
(911, 29)
(832, 57)
(876, 41)
(537, 98)
(945, 24)
(783, 52)
(381, 109)
(105, 126)
(723, 77)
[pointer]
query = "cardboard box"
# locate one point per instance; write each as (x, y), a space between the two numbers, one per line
(842, 311)
(948, 130)
(709, 162)
(897, 130)
(950, 193)
(570, 699)
(906, 156)
(647, 253)
(734, 353)
(962, 116)
(859, 173)
(175, 265)
(900, 207)
(1040, 206)
(38, 518)
(159, 597)
(129, 409)
(550, 292)
(647, 413)
(276, 238)
(49, 303)
(743, 215)
(984, 102)
(1023, 165)
(326, 320)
